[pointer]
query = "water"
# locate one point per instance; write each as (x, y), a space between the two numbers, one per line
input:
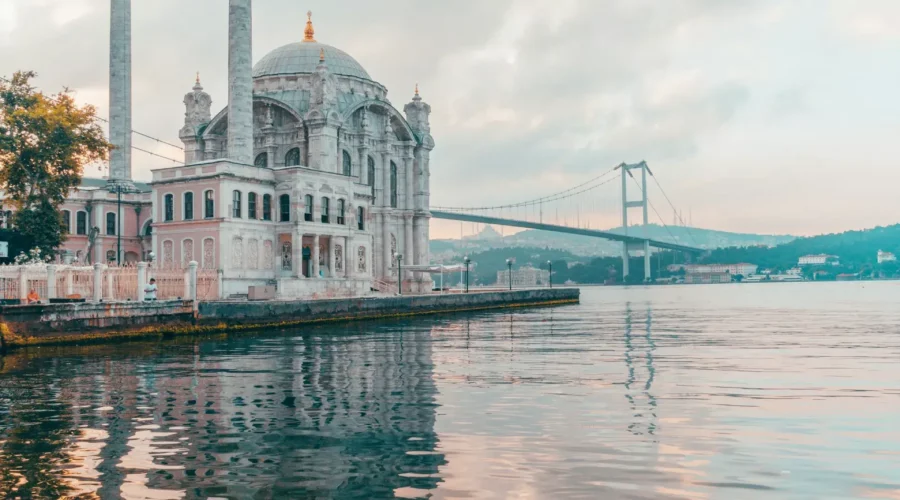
(724, 391)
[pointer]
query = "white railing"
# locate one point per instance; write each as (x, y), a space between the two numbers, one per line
(106, 283)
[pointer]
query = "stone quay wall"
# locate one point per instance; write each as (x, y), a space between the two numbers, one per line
(22, 325)
(80, 323)
(278, 312)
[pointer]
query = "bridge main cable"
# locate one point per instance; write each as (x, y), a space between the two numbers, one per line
(561, 195)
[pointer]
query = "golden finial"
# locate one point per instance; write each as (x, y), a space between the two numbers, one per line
(417, 88)
(309, 34)
(322, 55)
(198, 78)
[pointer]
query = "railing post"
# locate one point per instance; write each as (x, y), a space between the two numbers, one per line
(221, 274)
(23, 285)
(141, 280)
(70, 281)
(98, 282)
(51, 282)
(192, 283)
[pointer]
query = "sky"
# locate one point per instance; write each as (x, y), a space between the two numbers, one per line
(766, 116)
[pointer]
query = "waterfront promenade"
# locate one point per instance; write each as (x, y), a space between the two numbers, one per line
(78, 323)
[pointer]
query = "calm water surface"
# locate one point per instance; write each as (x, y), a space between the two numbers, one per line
(723, 391)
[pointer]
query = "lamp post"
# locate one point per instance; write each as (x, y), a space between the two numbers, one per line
(466, 260)
(399, 258)
(550, 273)
(119, 189)
(509, 267)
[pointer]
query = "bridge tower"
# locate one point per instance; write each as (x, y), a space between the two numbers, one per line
(642, 203)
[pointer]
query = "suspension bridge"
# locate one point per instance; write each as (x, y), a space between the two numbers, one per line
(633, 238)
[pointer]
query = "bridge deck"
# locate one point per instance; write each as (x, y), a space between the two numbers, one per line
(437, 214)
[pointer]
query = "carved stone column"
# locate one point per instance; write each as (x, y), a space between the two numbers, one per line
(345, 256)
(331, 258)
(297, 254)
(408, 167)
(386, 256)
(315, 256)
(364, 165)
(385, 179)
(409, 256)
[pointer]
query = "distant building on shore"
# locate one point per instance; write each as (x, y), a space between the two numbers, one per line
(742, 269)
(524, 277)
(707, 277)
(886, 257)
(819, 260)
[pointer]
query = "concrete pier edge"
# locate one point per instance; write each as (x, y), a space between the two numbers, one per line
(439, 305)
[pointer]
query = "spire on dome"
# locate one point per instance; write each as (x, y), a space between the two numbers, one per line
(417, 97)
(309, 34)
(322, 55)
(197, 85)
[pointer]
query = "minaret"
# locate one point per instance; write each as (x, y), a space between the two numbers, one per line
(240, 81)
(197, 105)
(418, 116)
(120, 91)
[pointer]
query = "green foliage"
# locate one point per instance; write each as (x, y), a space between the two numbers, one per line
(45, 141)
(44, 225)
(566, 266)
(857, 251)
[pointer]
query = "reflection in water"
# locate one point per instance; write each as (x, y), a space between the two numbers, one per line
(783, 391)
(290, 417)
(645, 418)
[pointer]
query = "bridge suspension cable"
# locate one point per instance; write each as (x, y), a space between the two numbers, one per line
(561, 195)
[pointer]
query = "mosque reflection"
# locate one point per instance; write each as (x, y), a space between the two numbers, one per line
(347, 415)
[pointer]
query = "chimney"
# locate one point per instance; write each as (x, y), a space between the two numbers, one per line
(120, 91)
(240, 82)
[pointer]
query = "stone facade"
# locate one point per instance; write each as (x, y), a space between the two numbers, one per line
(309, 173)
(336, 173)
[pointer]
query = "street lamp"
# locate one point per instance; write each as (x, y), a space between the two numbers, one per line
(509, 266)
(119, 188)
(399, 258)
(550, 273)
(466, 260)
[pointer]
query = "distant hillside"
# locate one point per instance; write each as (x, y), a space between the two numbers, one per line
(596, 247)
(857, 251)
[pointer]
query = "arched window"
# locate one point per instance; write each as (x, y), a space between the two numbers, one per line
(81, 223)
(348, 165)
(209, 204)
(393, 185)
(110, 223)
(262, 160)
(251, 205)
(267, 207)
(236, 204)
(110, 255)
(370, 174)
(189, 206)
(67, 220)
(361, 218)
(148, 228)
(292, 158)
(169, 208)
(308, 208)
(341, 209)
(325, 216)
(284, 205)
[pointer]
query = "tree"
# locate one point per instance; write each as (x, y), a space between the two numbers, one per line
(45, 142)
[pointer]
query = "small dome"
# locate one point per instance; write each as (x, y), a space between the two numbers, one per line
(303, 57)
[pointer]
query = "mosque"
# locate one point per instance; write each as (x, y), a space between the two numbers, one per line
(309, 180)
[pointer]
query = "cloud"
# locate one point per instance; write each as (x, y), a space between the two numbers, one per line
(528, 97)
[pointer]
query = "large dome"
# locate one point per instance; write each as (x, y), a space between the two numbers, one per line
(303, 57)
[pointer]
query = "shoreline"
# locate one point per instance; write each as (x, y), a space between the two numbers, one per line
(66, 324)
